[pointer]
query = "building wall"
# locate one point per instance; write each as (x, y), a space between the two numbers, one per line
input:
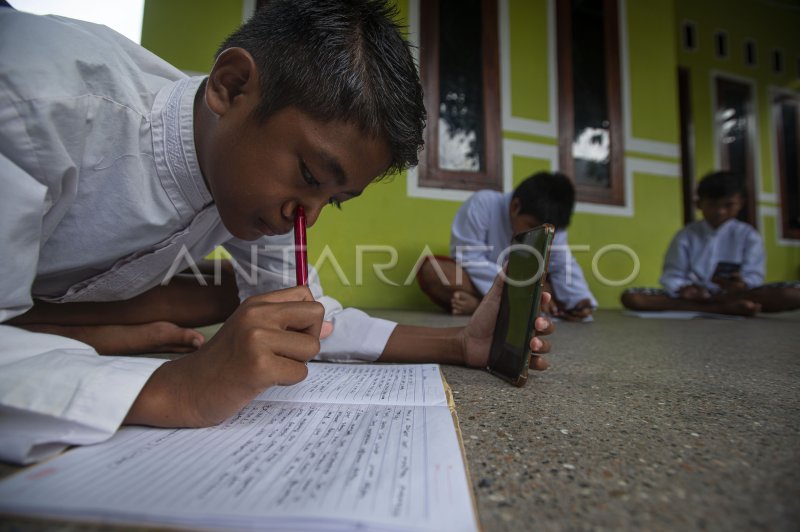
(369, 249)
(771, 25)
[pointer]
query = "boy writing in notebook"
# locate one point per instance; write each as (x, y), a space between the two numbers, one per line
(716, 264)
(115, 167)
(482, 231)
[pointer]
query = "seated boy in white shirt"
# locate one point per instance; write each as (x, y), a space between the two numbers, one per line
(482, 230)
(716, 264)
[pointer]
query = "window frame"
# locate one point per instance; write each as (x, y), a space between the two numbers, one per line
(615, 193)
(722, 83)
(430, 175)
(787, 231)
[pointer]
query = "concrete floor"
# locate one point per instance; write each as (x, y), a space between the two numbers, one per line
(638, 425)
(641, 424)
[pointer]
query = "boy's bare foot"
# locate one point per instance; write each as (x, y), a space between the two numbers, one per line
(741, 307)
(155, 337)
(463, 303)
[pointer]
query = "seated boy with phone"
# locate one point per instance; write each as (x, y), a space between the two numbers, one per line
(716, 264)
(480, 235)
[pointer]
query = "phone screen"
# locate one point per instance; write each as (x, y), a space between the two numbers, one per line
(525, 273)
(726, 270)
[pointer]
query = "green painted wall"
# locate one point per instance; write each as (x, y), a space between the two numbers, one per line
(772, 25)
(187, 33)
(386, 217)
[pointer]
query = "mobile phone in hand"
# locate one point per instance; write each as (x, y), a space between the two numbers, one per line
(727, 270)
(525, 272)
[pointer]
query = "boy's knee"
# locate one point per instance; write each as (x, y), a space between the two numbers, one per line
(429, 273)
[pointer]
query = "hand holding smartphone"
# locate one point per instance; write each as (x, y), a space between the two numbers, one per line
(510, 353)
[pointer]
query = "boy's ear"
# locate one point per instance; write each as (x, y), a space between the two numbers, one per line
(234, 74)
(514, 207)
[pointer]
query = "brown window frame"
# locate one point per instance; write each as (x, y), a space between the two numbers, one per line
(615, 194)
(429, 173)
(787, 230)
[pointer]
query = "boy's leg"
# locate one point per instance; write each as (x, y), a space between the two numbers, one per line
(448, 285)
(648, 299)
(155, 321)
(776, 297)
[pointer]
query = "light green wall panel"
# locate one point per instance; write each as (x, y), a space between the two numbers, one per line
(652, 72)
(187, 33)
(528, 32)
(383, 216)
(783, 262)
(647, 235)
(524, 167)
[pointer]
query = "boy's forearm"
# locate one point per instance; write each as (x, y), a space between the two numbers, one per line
(411, 344)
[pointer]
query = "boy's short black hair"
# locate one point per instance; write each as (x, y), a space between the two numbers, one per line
(549, 196)
(338, 60)
(721, 184)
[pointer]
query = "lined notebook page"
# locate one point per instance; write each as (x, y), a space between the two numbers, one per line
(315, 454)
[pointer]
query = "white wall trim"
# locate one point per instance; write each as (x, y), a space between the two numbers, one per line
(413, 189)
(525, 149)
(514, 123)
(769, 198)
(650, 147)
(632, 165)
(772, 210)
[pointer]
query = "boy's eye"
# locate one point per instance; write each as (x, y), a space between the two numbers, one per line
(336, 203)
(307, 176)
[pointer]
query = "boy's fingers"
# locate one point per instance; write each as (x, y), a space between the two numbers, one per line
(543, 326)
(286, 295)
(539, 363)
(305, 316)
(326, 329)
(287, 371)
(539, 345)
(292, 345)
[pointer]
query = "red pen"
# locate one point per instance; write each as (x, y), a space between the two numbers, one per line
(300, 251)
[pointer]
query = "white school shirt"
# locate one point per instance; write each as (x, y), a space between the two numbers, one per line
(696, 249)
(100, 193)
(482, 232)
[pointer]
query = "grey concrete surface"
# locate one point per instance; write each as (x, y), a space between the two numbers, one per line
(641, 425)
(638, 425)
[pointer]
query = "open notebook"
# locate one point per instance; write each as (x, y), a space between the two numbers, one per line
(353, 446)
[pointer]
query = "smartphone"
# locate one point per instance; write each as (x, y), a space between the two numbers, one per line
(727, 270)
(525, 273)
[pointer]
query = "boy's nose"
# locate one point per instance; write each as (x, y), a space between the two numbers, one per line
(312, 212)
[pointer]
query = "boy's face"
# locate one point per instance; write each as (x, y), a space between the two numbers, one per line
(718, 211)
(521, 222)
(261, 172)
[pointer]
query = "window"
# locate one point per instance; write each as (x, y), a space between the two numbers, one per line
(777, 61)
(786, 112)
(687, 143)
(750, 54)
(689, 33)
(459, 70)
(590, 116)
(734, 122)
(721, 44)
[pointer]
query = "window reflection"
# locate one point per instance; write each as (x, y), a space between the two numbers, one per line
(591, 144)
(461, 130)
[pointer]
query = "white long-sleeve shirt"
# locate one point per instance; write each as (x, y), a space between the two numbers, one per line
(481, 233)
(101, 196)
(695, 251)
